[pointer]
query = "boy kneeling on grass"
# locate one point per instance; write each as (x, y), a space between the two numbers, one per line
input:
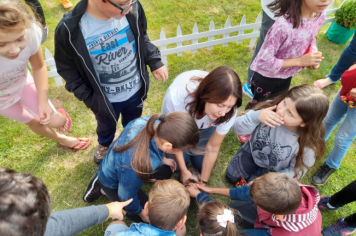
(275, 202)
(166, 209)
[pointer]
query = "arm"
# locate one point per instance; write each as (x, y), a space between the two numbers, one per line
(240, 193)
(67, 69)
(71, 222)
(185, 173)
(40, 76)
(211, 153)
(247, 123)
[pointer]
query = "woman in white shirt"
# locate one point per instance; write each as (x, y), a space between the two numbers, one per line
(212, 99)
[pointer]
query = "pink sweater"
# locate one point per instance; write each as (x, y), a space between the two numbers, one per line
(284, 42)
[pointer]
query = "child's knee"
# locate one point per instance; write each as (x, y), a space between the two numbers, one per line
(33, 123)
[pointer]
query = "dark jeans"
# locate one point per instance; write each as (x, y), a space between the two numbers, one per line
(196, 160)
(162, 172)
(264, 88)
(267, 23)
(36, 5)
(243, 165)
(343, 197)
(129, 110)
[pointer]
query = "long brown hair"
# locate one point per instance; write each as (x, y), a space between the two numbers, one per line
(291, 10)
(208, 224)
(312, 106)
(216, 87)
(177, 128)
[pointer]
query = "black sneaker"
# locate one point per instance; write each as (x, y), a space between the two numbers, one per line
(93, 190)
(322, 175)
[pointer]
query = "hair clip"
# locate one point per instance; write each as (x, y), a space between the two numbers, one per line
(223, 219)
(162, 118)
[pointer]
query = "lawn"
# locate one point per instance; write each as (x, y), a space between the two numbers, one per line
(67, 172)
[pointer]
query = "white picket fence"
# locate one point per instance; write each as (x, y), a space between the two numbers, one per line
(226, 31)
(194, 37)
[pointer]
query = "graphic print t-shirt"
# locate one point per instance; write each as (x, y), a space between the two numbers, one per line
(112, 48)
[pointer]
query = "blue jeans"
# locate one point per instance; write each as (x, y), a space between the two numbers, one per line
(129, 110)
(255, 232)
(347, 59)
(346, 133)
(196, 160)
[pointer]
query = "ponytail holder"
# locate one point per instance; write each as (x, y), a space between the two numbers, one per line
(162, 118)
(223, 219)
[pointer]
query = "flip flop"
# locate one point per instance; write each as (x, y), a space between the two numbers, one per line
(65, 114)
(78, 143)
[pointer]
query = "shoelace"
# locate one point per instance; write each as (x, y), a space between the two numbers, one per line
(323, 170)
(339, 225)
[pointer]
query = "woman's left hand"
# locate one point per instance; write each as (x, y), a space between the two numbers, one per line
(45, 111)
(170, 162)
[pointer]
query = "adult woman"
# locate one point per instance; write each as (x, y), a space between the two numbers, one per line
(212, 100)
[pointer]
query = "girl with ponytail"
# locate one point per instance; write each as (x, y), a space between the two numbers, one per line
(137, 155)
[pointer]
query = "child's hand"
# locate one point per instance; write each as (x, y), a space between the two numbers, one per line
(185, 176)
(311, 59)
(313, 67)
(205, 188)
(162, 71)
(169, 162)
(45, 111)
(353, 93)
(270, 118)
(116, 209)
(193, 190)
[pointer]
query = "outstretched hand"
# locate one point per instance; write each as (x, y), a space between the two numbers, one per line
(270, 118)
(205, 188)
(193, 190)
(161, 72)
(170, 162)
(116, 209)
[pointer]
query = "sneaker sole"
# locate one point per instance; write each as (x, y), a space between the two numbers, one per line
(90, 189)
(247, 93)
(321, 184)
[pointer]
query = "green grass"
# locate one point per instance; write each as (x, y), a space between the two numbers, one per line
(66, 172)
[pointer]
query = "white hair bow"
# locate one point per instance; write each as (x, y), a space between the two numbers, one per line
(223, 219)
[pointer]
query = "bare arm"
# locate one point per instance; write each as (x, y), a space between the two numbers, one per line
(211, 153)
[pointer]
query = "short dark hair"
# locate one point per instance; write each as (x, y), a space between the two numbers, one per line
(24, 204)
(276, 193)
(216, 87)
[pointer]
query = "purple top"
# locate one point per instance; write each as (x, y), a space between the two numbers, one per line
(284, 42)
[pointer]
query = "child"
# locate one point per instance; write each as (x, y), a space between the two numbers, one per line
(286, 136)
(23, 97)
(290, 45)
(343, 105)
(343, 226)
(212, 100)
(138, 155)
(217, 219)
(284, 207)
(102, 51)
(25, 209)
(166, 208)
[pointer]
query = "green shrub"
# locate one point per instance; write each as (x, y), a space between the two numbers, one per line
(345, 16)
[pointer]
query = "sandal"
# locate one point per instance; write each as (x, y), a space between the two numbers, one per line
(65, 114)
(78, 143)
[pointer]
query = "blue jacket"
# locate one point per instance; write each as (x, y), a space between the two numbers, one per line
(144, 229)
(114, 170)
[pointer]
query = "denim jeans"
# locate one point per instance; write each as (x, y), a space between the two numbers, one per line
(347, 59)
(346, 133)
(255, 232)
(196, 160)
